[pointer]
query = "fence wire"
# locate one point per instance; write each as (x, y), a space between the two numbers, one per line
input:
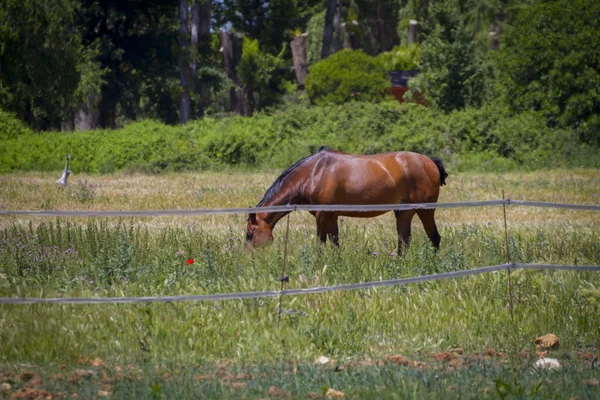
(294, 292)
(294, 207)
(299, 207)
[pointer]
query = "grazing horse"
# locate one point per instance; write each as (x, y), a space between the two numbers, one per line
(333, 177)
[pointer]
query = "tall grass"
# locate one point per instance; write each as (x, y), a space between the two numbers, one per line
(63, 259)
(146, 257)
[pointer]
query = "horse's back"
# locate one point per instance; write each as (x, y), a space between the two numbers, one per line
(387, 178)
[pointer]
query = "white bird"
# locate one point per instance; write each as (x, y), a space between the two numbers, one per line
(62, 182)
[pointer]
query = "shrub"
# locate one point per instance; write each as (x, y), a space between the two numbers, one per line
(489, 138)
(11, 127)
(401, 58)
(348, 75)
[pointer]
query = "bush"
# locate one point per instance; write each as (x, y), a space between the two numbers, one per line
(471, 139)
(401, 58)
(348, 75)
(11, 127)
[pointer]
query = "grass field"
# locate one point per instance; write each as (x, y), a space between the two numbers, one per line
(456, 337)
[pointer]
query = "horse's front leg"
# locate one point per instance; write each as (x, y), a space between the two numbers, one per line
(327, 226)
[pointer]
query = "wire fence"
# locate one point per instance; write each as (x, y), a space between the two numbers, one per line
(295, 292)
(289, 208)
(294, 207)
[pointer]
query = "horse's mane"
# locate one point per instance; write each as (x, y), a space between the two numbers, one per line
(276, 186)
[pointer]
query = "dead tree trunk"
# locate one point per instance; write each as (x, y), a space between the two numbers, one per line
(328, 29)
(231, 47)
(412, 31)
(298, 46)
(185, 73)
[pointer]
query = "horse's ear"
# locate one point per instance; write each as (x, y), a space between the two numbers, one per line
(252, 219)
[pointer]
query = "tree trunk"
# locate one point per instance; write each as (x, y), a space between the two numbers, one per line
(195, 31)
(495, 36)
(350, 38)
(412, 31)
(88, 116)
(298, 46)
(250, 103)
(185, 73)
(381, 26)
(200, 29)
(337, 37)
(328, 29)
(108, 117)
(231, 47)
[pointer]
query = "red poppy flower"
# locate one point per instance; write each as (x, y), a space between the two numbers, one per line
(190, 261)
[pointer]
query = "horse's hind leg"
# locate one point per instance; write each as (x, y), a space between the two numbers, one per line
(327, 226)
(403, 220)
(428, 220)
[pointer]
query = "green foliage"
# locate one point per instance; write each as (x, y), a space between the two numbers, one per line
(314, 41)
(44, 63)
(271, 23)
(259, 70)
(549, 62)
(401, 58)
(11, 127)
(471, 139)
(348, 75)
(451, 76)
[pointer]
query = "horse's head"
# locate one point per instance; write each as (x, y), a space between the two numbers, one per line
(258, 232)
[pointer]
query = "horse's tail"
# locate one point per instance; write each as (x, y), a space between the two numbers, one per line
(443, 173)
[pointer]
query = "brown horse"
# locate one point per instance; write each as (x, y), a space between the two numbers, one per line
(333, 177)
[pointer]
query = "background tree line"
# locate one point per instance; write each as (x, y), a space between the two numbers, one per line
(69, 64)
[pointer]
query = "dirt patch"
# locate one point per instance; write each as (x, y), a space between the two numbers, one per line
(36, 394)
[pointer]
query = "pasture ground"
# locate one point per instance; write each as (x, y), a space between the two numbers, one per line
(451, 338)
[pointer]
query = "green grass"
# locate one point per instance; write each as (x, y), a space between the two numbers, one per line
(147, 257)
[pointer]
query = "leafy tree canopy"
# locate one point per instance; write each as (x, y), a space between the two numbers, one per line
(45, 69)
(452, 77)
(550, 61)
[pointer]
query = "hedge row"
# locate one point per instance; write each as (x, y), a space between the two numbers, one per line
(472, 139)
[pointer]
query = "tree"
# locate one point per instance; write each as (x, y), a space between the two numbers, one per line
(328, 29)
(452, 77)
(200, 36)
(137, 47)
(185, 69)
(45, 70)
(550, 62)
(258, 72)
(271, 22)
(231, 47)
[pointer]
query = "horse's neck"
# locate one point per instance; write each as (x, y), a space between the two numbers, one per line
(290, 196)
